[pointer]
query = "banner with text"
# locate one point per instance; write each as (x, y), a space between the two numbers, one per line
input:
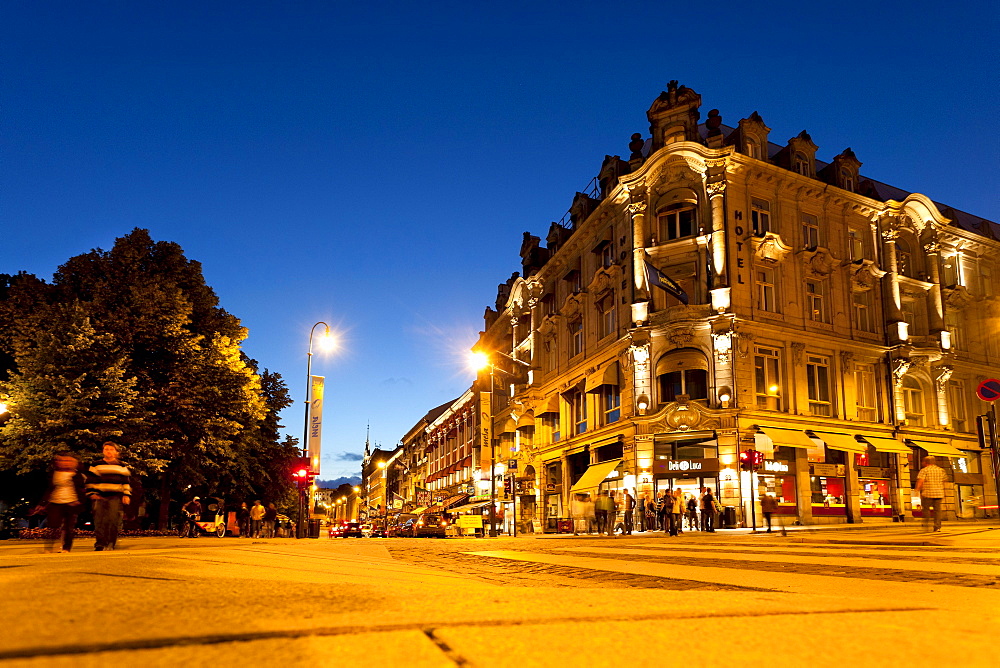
(315, 421)
(485, 427)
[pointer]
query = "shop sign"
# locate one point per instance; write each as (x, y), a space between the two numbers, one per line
(470, 522)
(772, 466)
(827, 470)
(550, 488)
(872, 472)
(686, 466)
(683, 465)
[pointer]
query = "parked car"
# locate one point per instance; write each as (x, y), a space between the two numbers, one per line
(429, 525)
(367, 530)
(397, 525)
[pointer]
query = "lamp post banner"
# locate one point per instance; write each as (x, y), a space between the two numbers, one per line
(315, 421)
(485, 422)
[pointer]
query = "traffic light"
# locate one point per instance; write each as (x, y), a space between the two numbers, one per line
(747, 460)
(300, 472)
(758, 459)
(506, 486)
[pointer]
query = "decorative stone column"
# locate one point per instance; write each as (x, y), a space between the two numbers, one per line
(637, 209)
(941, 376)
(932, 250)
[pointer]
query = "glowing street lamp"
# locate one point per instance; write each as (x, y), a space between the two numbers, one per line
(326, 342)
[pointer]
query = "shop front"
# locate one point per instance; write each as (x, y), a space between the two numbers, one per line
(776, 478)
(874, 491)
(690, 476)
(828, 487)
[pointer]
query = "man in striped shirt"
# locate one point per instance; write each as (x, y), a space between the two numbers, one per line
(109, 488)
(930, 489)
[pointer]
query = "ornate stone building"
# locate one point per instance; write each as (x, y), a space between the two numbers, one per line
(717, 293)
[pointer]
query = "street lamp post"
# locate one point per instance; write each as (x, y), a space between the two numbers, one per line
(481, 360)
(385, 498)
(327, 339)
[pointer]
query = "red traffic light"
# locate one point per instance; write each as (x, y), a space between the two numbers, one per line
(758, 458)
(747, 460)
(301, 473)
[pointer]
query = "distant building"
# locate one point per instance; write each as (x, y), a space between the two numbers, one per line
(716, 293)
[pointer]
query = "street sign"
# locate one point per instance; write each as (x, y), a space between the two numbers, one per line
(989, 390)
(512, 464)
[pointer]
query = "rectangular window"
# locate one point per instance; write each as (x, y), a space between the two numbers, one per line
(986, 279)
(578, 406)
(766, 298)
(607, 255)
(949, 272)
(818, 385)
(576, 337)
(606, 324)
(816, 301)
(677, 224)
(863, 318)
(760, 216)
(767, 379)
(913, 404)
(856, 244)
(952, 323)
(810, 231)
(551, 420)
(611, 403)
(574, 281)
(865, 392)
(957, 406)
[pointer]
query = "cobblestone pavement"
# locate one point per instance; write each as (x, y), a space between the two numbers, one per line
(453, 555)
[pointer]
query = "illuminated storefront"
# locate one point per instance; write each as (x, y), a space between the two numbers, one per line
(776, 478)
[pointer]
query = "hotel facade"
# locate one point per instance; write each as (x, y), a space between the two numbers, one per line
(716, 293)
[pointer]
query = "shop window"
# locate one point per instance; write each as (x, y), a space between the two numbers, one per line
(828, 495)
(678, 222)
(766, 292)
(606, 324)
(957, 406)
(611, 403)
(913, 401)
(818, 385)
(576, 337)
(864, 320)
(810, 231)
(782, 488)
(609, 452)
(865, 392)
(760, 216)
(687, 450)
(816, 300)
(767, 378)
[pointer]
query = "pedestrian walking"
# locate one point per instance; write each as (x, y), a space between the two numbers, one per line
(707, 510)
(590, 512)
(676, 512)
(692, 512)
(256, 519)
(109, 488)
(930, 489)
(192, 513)
(243, 520)
(270, 517)
(577, 513)
(662, 511)
(628, 507)
(63, 499)
(649, 514)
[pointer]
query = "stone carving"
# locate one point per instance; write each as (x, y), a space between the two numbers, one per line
(681, 338)
(958, 297)
(864, 275)
(769, 249)
(716, 189)
(818, 262)
(900, 366)
(744, 343)
(797, 349)
(636, 207)
(846, 360)
(941, 376)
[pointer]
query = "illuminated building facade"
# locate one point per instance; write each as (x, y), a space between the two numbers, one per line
(717, 293)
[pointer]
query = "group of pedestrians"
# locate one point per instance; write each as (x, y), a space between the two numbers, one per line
(257, 521)
(619, 511)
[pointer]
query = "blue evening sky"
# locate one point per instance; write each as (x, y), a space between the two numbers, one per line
(374, 164)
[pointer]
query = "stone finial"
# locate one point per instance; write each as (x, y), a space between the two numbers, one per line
(714, 122)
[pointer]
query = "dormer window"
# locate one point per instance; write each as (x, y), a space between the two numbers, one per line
(753, 149)
(802, 164)
(847, 180)
(677, 222)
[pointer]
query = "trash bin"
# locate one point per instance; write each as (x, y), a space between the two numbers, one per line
(728, 517)
(313, 528)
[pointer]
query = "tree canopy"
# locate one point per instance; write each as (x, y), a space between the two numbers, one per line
(131, 345)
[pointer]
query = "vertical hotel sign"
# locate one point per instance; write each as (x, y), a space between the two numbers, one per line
(315, 421)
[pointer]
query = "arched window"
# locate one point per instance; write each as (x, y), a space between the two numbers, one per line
(682, 372)
(904, 258)
(753, 149)
(913, 401)
(678, 221)
(802, 164)
(847, 180)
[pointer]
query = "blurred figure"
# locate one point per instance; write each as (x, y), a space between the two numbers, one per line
(589, 513)
(63, 499)
(243, 520)
(676, 512)
(604, 508)
(663, 510)
(930, 488)
(768, 506)
(650, 514)
(577, 513)
(628, 507)
(270, 517)
(192, 513)
(692, 512)
(109, 488)
(707, 510)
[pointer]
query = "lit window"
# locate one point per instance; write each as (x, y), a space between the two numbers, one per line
(816, 300)
(753, 149)
(767, 379)
(913, 402)
(810, 231)
(847, 180)
(606, 324)
(760, 216)
(856, 244)
(551, 420)
(818, 385)
(677, 223)
(904, 259)
(692, 382)
(578, 406)
(766, 298)
(865, 392)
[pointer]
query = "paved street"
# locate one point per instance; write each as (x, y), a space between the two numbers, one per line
(884, 597)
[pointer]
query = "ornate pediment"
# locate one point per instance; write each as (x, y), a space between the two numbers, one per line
(604, 281)
(681, 338)
(864, 275)
(685, 415)
(818, 262)
(958, 297)
(769, 249)
(573, 305)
